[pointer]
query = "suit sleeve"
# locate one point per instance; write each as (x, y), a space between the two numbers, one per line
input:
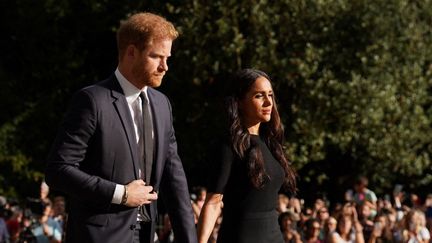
(175, 193)
(65, 161)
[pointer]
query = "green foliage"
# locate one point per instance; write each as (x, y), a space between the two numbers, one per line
(366, 94)
(352, 78)
(14, 160)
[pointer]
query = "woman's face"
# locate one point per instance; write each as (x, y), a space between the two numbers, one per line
(257, 104)
(331, 223)
(345, 225)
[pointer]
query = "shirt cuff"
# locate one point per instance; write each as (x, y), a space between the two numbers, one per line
(118, 194)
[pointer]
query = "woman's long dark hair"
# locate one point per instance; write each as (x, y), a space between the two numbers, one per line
(272, 132)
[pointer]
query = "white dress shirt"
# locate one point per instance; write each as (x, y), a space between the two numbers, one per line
(135, 106)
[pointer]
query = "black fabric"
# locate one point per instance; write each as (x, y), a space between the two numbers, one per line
(148, 152)
(249, 214)
(148, 140)
(261, 228)
(142, 233)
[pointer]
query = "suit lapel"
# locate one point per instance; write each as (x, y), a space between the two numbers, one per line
(122, 108)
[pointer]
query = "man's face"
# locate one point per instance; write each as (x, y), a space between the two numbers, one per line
(149, 65)
(360, 188)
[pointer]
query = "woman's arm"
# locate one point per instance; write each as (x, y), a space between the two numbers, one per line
(359, 237)
(209, 214)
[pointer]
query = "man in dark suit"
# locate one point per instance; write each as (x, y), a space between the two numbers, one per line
(116, 150)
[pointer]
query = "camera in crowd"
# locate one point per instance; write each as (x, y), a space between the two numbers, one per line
(36, 207)
(33, 212)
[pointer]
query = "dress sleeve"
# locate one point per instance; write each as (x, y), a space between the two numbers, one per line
(220, 169)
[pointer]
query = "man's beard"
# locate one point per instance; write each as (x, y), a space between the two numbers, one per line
(148, 79)
(154, 80)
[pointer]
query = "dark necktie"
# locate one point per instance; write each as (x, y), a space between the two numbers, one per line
(148, 140)
(147, 159)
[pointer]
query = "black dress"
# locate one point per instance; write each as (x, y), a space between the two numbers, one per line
(249, 214)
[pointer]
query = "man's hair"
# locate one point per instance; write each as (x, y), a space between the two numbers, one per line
(141, 29)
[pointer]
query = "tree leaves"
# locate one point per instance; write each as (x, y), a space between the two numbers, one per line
(352, 78)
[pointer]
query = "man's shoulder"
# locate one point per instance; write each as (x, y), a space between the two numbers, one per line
(155, 92)
(101, 88)
(157, 95)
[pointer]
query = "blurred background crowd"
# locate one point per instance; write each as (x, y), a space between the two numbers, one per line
(360, 216)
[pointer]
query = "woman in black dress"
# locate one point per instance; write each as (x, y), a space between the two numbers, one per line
(251, 167)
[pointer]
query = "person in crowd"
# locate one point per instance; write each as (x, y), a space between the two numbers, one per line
(198, 202)
(14, 223)
(364, 195)
(44, 191)
(288, 225)
(4, 233)
(283, 203)
(348, 229)
(329, 227)
(296, 204)
(323, 216)
(413, 228)
(305, 214)
(59, 210)
(116, 150)
(398, 198)
(311, 231)
(414, 201)
(428, 211)
(251, 166)
(349, 195)
(47, 230)
(384, 203)
(318, 204)
(364, 217)
(391, 222)
(382, 230)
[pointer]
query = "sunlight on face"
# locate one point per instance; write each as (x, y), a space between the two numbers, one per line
(150, 64)
(257, 105)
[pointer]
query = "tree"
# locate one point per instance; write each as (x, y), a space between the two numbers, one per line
(352, 78)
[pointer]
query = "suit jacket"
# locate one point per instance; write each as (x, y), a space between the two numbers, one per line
(96, 149)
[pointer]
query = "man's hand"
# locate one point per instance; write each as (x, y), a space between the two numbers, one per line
(139, 194)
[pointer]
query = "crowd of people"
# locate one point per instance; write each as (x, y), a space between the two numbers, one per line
(34, 219)
(360, 217)
(363, 217)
